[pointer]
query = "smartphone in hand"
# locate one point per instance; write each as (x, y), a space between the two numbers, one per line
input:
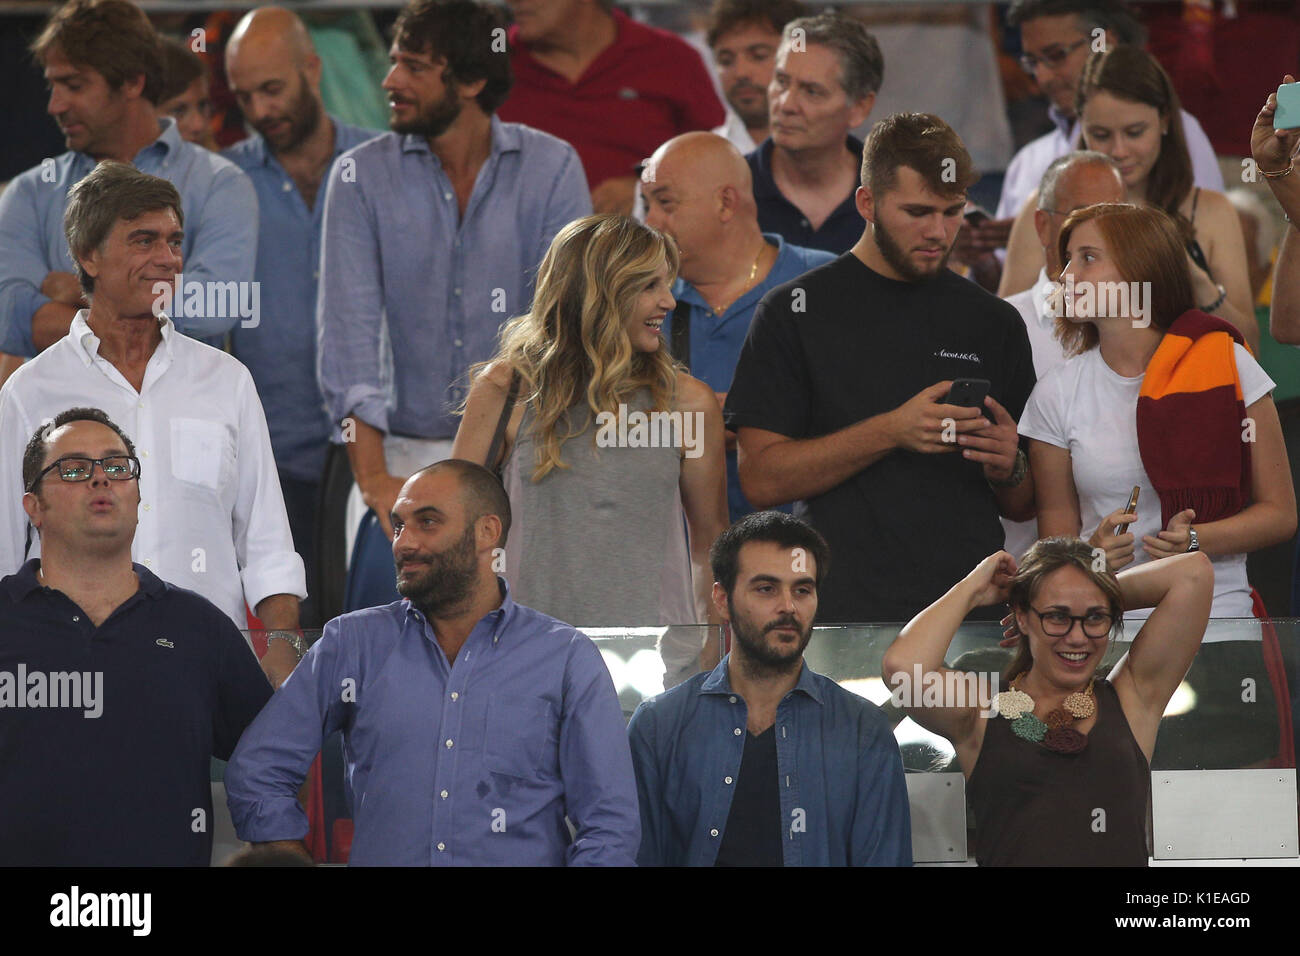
(968, 392)
(1132, 503)
(1287, 115)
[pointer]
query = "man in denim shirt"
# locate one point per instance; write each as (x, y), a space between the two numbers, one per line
(766, 763)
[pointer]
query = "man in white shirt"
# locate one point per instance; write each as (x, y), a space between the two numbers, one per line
(743, 36)
(1071, 182)
(1057, 37)
(212, 517)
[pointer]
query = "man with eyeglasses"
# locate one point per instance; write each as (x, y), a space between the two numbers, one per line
(116, 688)
(1057, 37)
(212, 517)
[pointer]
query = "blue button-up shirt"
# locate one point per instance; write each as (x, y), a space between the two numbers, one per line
(472, 763)
(281, 351)
(842, 228)
(716, 339)
(220, 244)
(840, 776)
(397, 254)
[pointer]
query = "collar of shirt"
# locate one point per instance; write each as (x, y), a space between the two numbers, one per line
(164, 147)
(262, 155)
(494, 623)
(765, 185)
(719, 681)
(86, 342)
(1040, 288)
(505, 139)
(686, 292)
(24, 581)
(1069, 128)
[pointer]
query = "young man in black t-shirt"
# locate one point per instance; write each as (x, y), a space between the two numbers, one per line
(838, 398)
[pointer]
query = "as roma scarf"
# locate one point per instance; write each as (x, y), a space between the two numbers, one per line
(1190, 415)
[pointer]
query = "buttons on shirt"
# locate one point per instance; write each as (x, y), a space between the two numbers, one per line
(727, 780)
(732, 699)
(804, 223)
(287, 187)
(76, 617)
(455, 291)
(148, 562)
(457, 342)
(147, 508)
(441, 847)
(713, 833)
(448, 745)
(455, 695)
(443, 794)
(737, 731)
(144, 454)
(446, 195)
(139, 405)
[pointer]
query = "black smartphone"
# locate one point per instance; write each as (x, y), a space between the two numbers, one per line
(1132, 503)
(968, 392)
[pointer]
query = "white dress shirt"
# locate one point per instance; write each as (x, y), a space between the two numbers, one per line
(212, 516)
(1029, 164)
(735, 130)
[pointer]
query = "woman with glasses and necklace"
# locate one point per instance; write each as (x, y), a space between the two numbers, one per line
(1058, 764)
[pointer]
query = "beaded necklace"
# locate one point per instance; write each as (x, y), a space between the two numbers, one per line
(1057, 732)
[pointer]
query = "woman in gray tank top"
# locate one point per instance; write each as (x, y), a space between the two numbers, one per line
(1062, 741)
(612, 455)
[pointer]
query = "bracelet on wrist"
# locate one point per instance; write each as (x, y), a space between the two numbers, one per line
(1278, 173)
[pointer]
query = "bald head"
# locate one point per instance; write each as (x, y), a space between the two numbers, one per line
(1071, 182)
(698, 189)
(271, 31)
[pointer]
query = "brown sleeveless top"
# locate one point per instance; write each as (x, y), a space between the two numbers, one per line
(1036, 807)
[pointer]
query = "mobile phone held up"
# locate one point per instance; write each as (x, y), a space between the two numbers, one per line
(968, 392)
(1287, 115)
(976, 216)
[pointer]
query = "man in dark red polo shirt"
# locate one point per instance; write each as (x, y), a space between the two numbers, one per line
(614, 88)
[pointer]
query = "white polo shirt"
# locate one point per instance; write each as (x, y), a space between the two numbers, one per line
(211, 515)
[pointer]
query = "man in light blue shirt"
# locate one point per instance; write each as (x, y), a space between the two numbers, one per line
(275, 73)
(764, 762)
(433, 233)
(472, 726)
(698, 189)
(102, 60)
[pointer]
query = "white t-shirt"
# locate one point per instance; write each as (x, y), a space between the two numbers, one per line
(1085, 407)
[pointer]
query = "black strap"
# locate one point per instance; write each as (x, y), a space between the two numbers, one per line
(680, 344)
(499, 435)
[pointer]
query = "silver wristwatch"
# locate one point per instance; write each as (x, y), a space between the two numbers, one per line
(1192, 544)
(291, 638)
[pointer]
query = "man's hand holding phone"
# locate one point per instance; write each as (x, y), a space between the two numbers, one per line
(1118, 544)
(995, 445)
(924, 422)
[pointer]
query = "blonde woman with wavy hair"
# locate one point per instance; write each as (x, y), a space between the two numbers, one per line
(608, 444)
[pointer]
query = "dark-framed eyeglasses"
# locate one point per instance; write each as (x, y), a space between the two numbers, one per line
(1050, 58)
(1058, 624)
(80, 468)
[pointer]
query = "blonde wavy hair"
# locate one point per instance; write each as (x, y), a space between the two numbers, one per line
(572, 347)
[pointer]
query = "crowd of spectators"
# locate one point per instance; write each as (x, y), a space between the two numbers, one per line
(466, 305)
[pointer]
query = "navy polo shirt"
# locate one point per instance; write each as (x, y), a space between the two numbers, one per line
(838, 234)
(106, 733)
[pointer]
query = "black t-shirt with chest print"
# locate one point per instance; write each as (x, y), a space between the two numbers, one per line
(843, 343)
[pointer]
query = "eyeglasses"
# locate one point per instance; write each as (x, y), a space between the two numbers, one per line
(1058, 623)
(1050, 58)
(76, 468)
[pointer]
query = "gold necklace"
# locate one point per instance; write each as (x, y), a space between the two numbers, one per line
(753, 271)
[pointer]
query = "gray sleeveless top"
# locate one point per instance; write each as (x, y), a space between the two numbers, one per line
(601, 543)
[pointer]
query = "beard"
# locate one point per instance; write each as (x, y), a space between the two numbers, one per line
(894, 255)
(434, 121)
(750, 116)
(447, 582)
(303, 117)
(761, 658)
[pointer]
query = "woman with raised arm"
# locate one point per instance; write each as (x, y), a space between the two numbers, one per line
(605, 443)
(1158, 395)
(1060, 775)
(1128, 109)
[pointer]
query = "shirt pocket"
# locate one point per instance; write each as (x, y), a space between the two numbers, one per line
(522, 737)
(202, 453)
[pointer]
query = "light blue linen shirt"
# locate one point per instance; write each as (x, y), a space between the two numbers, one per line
(220, 244)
